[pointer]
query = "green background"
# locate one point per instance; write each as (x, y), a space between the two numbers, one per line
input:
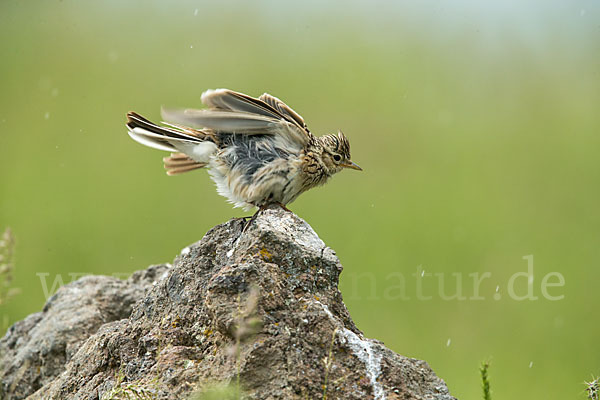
(476, 124)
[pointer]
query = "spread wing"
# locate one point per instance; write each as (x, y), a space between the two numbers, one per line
(233, 112)
(284, 110)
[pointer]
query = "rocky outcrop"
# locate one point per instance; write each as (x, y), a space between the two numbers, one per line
(259, 307)
(35, 351)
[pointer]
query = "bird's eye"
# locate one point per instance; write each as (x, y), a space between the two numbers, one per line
(337, 157)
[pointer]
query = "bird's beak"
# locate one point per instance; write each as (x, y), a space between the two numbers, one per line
(352, 165)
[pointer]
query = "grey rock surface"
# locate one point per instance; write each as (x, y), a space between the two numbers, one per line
(260, 304)
(35, 351)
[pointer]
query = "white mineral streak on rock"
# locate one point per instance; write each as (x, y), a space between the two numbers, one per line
(364, 351)
(326, 309)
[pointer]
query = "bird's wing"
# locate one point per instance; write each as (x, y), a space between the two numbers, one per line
(284, 110)
(233, 112)
(228, 100)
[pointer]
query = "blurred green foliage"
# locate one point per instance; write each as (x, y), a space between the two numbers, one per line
(476, 126)
(7, 248)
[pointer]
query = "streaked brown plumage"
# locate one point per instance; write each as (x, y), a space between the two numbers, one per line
(257, 150)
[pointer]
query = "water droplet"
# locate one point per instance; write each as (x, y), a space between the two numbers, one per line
(497, 288)
(47, 115)
(423, 273)
(448, 342)
(191, 46)
(531, 364)
(195, 12)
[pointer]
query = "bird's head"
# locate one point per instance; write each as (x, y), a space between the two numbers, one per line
(336, 153)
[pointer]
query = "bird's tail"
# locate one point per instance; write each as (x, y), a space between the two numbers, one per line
(190, 147)
(158, 137)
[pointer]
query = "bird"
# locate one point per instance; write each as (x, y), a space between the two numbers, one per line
(258, 151)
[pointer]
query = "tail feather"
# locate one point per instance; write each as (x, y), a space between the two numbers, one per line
(155, 143)
(149, 134)
(176, 157)
(174, 161)
(178, 163)
(180, 170)
(170, 139)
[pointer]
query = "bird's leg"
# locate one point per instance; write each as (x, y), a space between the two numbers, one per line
(284, 207)
(245, 222)
(260, 209)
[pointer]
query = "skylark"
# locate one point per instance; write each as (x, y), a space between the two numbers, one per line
(258, 151)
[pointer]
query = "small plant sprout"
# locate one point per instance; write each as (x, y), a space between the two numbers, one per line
(132, 390)
(485, 380)
(246, 325)
(593, 388)
(7, 251)
(328, 361)
(218, 391)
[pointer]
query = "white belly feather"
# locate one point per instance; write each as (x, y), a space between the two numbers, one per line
(278, 181)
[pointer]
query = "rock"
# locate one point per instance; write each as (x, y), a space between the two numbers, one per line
(259, 306)
(34, 351)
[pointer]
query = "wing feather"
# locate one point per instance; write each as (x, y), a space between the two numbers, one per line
(283, 109)
(225, 99)
(222, 121)
(234, 112)
(266, 104)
